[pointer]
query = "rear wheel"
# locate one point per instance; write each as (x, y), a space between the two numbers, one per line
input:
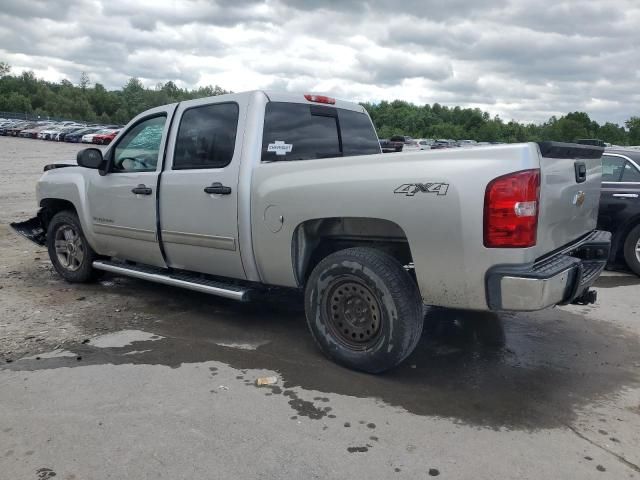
(69, 251)
(632, 250)
(363, 309)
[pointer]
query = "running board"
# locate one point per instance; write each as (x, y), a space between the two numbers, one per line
(183, 280)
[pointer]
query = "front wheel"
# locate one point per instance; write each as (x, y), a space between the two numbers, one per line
(632, 250)
(363, 309)
(69, 251)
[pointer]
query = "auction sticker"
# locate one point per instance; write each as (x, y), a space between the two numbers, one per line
(280, 147)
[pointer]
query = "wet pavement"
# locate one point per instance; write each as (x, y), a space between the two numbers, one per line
(127, 379)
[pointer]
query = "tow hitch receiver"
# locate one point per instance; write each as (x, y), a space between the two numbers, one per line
(31, 229)
(587, 298)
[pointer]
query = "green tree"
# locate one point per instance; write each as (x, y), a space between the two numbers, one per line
(84, 81)
(5, 69)
(633, 124)
(612, 133)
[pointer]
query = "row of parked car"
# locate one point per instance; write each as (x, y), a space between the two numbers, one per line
(67, 131)
(401, 143)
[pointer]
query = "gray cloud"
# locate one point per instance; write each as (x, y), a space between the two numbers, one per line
(522, 59)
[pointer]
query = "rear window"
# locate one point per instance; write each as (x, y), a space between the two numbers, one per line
(358, 135)
(630, 173)
(294, 131)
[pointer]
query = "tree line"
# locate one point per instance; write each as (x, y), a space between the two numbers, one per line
(24, 93)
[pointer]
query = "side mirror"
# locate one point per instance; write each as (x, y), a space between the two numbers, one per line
(90, 158)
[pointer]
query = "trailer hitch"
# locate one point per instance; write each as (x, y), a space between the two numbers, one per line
(587, 298)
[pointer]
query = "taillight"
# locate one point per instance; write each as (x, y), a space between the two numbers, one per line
(511, 210)
(320, 99)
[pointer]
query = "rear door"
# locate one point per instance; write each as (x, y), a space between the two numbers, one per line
(199, 187)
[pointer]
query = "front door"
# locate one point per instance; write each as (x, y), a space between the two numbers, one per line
(620, 195)
(122, 203)
(199, 189)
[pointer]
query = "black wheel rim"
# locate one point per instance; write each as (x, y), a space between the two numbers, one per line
(353, 313)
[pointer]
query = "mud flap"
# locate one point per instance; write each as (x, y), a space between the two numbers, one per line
(31, 229)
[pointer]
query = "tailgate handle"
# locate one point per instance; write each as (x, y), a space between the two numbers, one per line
(581, 172)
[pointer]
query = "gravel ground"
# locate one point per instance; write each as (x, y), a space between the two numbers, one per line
(127, 379)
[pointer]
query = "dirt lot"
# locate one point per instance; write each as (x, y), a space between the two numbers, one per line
(126, 379)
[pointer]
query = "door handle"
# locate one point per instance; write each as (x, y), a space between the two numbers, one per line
(218, 189)
(142, 190)
(626, 195)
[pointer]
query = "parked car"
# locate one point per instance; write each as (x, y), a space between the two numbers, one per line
(186, 196)
(76, 136)
(388, 146)
(424, 143)
(105, 138)
(33, 131)
(53, 130)
(411, 146)
(5, 126)
(441, 143)
(16, 128)
(620, 206)
(60, 137)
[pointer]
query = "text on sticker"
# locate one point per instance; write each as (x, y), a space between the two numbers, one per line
(280, 147)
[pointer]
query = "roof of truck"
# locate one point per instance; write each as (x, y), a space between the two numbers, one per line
(290, 97)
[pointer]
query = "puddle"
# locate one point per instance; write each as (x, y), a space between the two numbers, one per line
(53, 354)
(242, 346)
(123, 338)
(554, 363)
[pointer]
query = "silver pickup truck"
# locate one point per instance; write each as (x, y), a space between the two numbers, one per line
(236, 193)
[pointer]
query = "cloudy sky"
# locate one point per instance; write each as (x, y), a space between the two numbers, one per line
(522, 59)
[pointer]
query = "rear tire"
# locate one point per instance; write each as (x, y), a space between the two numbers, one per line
(69, 251)
(363, 309)
(632, 249)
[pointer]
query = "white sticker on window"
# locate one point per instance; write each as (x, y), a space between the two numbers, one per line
(280, 147)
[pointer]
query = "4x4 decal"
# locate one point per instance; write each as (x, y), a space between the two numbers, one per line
(410, 189)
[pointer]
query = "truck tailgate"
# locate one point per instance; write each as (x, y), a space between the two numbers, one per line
(569, 193)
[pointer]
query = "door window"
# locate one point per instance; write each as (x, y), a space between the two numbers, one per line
(612, 168)
(630, 173)
(139, 148)
(206, 137)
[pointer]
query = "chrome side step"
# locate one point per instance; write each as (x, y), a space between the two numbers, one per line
(183, 280)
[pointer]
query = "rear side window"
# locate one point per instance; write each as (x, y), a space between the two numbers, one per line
(630, 173)
(358, 134)
(612, 168)
(206, 137)
(295, 131)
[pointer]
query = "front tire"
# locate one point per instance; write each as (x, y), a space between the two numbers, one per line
(363, 309)
(632, 250)
(69, 251)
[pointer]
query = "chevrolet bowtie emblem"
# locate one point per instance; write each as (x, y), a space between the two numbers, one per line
(578, 198)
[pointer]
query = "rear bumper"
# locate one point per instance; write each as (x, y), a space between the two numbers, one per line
(562, 278)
